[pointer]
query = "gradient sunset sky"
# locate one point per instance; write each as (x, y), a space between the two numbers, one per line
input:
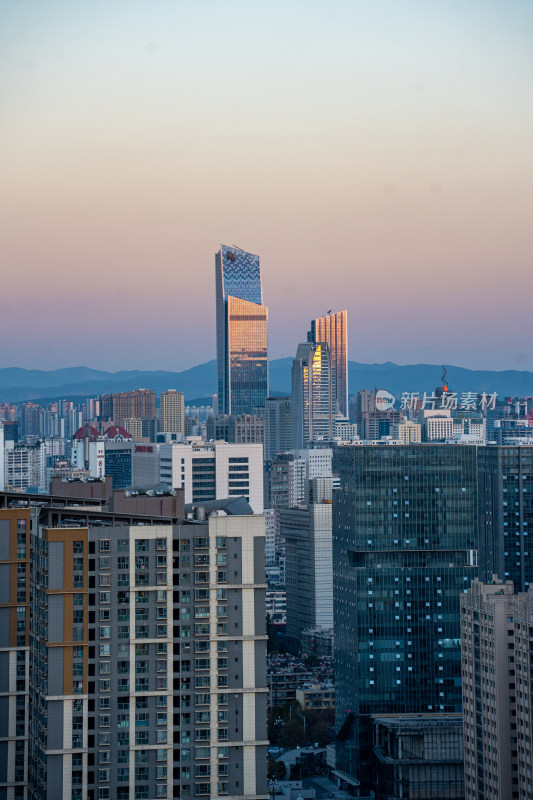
(378, 156)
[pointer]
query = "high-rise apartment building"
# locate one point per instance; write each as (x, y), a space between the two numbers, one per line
(312, 394)
(141, 671)
(139, 688)
(497, 663)
(14, 651)
(242, 366)
(333, 329)
(404, 550)
(136, 404)
(172, 412)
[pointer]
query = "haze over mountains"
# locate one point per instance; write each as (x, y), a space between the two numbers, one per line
(18, 384)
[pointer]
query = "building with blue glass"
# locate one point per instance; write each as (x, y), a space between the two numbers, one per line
(242, 366)
(405, 540)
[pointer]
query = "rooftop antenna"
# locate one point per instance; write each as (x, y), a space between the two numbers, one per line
(329, 312)
(443, 379)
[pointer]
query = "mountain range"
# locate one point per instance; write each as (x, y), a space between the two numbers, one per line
(17, 385)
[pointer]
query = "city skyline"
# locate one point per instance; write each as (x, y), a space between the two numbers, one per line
(383, 147)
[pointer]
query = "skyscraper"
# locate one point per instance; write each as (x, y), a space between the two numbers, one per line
(506, 514)
(242, 366)
(333, 329)
(312, 394)
(404, 550)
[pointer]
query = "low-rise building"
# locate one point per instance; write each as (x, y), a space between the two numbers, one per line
(315, 696)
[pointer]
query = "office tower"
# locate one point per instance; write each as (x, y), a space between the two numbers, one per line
(308, 562)
(506, 514)
(172, 411)
(137, 404)
(405, 538)
(278, 426)
(210, 471)
(14, 657)
(31, 415)
(312, 394)
(242, 367)
(148, 657)
(333, 329)
(496, 635)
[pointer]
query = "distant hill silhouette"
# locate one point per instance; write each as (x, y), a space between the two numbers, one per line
(17, 385)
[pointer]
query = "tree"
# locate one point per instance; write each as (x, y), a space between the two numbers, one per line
(275, 770)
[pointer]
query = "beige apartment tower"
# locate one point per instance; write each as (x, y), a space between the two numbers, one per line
(497, 659)
(172, 411)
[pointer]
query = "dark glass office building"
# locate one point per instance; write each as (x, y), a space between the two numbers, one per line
(506, 514)
(404, 550)
(242, 367)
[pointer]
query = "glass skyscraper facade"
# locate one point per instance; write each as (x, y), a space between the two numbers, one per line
(333, 329)
(404, 551)
(312, 394)
(506, 514)
(242, 366)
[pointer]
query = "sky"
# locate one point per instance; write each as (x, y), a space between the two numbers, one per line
(376, 155)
